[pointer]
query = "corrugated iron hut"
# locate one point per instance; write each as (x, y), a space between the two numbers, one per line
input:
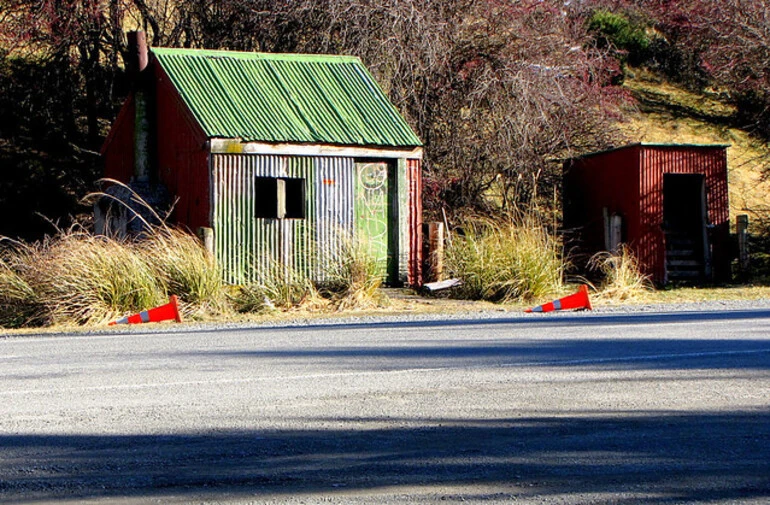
(280, 156)
(667, 202)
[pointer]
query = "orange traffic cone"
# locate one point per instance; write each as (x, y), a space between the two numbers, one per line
(156, 315)
(577, 301)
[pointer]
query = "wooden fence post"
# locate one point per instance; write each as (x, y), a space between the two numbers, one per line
(742, 229)
(436, 251)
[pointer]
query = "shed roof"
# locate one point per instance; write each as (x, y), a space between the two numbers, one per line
(661, 145)
(294, 98)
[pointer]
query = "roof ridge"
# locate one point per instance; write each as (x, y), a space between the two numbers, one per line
(251, 55)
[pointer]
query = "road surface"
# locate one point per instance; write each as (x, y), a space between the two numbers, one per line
(654, 408)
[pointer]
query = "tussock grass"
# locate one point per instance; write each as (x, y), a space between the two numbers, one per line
(78, 278)
(355, 277)
(621, 278)
(279, 287)
(183, 267)
(18, 301)
(514, 260)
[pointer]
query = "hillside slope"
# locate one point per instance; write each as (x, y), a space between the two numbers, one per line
(666, 113)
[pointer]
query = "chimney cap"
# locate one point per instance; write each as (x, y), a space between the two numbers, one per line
(137, 51)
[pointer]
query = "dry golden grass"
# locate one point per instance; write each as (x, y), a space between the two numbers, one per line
(621, 278)
(514, 260)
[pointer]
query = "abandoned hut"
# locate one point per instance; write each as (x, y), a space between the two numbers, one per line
(668, 203)
(272, 158)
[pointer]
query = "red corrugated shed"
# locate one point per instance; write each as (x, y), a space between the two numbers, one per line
(657, 192)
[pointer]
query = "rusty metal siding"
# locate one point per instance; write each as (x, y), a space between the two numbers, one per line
(659, 160)
(414, 182)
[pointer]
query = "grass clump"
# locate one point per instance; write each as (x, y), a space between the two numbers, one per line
(352, 280)
(279, 287)
(514, 260)
(354, 277)
(18, 302)
(183, 267)
(621, 278)
(78, 278)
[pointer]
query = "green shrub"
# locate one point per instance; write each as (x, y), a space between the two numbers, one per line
(518, 259)
(618, 31)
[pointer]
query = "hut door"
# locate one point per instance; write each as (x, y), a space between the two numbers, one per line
(684, 223)
(375, 213)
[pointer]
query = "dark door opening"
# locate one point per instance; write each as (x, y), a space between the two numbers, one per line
(684, 225)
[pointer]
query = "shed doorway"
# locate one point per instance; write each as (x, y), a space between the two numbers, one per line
(376, 214)
(684, 224)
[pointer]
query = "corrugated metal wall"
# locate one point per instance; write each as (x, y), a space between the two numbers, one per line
(659, 160)
(609, 180)
(246, 246)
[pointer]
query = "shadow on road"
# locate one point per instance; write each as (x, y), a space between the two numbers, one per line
(505, 351)
(682, 457)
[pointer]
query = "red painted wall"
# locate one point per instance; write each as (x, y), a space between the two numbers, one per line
(118, 149)
(183, 160)
(592, 183)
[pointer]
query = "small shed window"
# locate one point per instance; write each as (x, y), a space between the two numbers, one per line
(279, 198)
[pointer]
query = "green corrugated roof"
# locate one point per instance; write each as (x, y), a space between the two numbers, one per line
(294, 98)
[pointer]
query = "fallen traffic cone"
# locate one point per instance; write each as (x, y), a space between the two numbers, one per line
(577, 301)
(156, 315)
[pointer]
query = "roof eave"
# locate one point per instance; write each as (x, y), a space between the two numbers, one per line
(237, 146)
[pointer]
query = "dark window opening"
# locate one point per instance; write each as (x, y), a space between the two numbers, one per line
(295, 198)
(279, 198)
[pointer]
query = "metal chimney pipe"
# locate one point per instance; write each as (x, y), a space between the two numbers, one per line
(136, 65)
(137, 52)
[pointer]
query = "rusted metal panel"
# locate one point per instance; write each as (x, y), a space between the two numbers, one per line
(414, 179)
(334, 197)
(248, 247)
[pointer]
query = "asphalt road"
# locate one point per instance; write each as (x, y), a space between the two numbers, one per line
(646, 408)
